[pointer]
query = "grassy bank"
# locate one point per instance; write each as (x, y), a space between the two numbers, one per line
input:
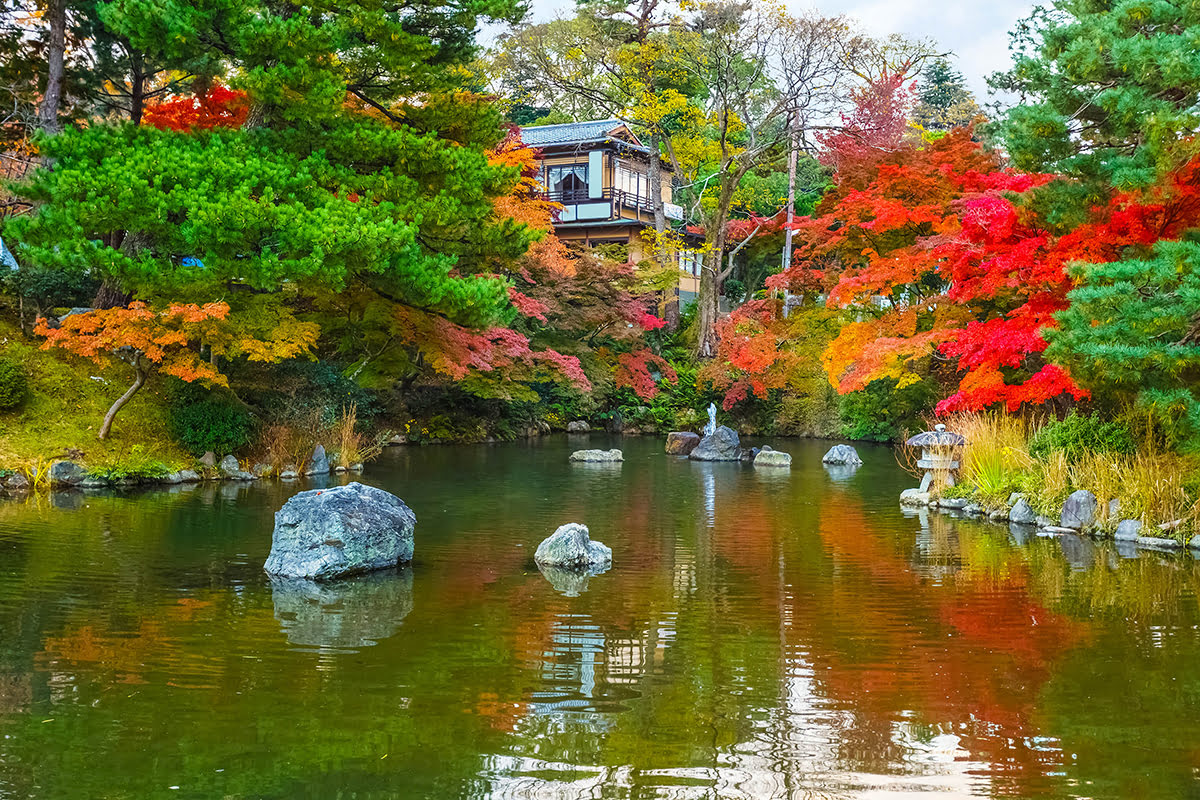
(1045, 461)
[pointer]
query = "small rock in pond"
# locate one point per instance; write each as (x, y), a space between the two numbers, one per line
(17, 482)
(842, 454)
(578, 426)
(1128, 530)
(318, 462)
(597, 456)
(722, 444)
(953, 502)
(1079, 511)
(571, 547)
(914, 498)
(772, 458)
(324, 534)
(974, 509)
(681, 443)
(289, 473)
(188, 476)
(1157, 543)
(1022, 513)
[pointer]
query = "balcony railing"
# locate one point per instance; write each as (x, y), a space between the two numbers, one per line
(617, 199)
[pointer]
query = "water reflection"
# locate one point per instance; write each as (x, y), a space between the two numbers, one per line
(344, 615)
(760, 637)
(569, 582)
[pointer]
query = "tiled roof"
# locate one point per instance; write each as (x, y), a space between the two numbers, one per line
(569, 132)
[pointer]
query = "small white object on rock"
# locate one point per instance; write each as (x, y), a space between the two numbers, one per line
(597, 456)
(571, 547)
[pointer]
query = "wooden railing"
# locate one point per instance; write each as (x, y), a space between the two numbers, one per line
(616, 198)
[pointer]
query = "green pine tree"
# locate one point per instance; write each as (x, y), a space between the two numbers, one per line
(944, 102)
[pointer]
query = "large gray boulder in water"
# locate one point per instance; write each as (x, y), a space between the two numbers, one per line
(842, 454)
(571, 547)
(722, 444)
(324, 534)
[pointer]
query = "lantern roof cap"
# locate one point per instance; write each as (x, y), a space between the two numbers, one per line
(938, 437)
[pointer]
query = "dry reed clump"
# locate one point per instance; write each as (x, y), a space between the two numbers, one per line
(995, 452)
(1157, 488)
(350, 445)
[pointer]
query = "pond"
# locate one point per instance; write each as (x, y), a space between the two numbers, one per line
(762, 634)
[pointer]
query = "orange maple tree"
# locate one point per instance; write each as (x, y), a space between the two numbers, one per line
(218, 107)
(170, 341)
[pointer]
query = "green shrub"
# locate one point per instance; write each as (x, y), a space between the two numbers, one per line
(135, 465)
(210, 423)
(1076, 435)
(881, 412)
(14, 386)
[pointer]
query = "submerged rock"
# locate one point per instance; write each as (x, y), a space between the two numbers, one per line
(681, 443)
(578, 426)
(597, 456)
(571, 547)
(842, 454)
(1022, 513)
(1079, 511)
(324, 534)
(722, 444)
(772, 458)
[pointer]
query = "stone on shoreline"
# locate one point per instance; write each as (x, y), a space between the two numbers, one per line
(578, 426)
(318, 462)
(681, 443)
(1128, 530)
(261, 470)
(66, 473)
(955, 503)
(571, 547)
(1158, 543)
(231, 469)
(842, 454)
(914, 498)
(721, 445)
(974, 509)
(1022, 513)
(597, 456)
(1079, 511)
(324, 534)
(1195, 542)
(16, 482)
(209, 460)
(772, 458)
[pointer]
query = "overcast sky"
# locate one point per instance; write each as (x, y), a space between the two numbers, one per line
(976, 31)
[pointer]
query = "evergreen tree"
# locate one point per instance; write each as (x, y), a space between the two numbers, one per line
(944, 102)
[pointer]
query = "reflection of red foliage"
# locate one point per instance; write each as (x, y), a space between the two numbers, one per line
(219, 107)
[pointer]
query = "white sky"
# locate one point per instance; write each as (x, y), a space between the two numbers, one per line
(977, 32)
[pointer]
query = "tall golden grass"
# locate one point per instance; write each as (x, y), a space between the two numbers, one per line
(1158, 487)
(352, 446)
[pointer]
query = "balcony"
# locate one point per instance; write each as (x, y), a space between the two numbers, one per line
(612, 204)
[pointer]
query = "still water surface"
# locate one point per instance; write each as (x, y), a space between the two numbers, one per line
(763, 634)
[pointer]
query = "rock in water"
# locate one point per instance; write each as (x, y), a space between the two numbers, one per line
(1022, 513)
(318, 462)
(772, 458)
(681, 443)
(578, 426)
(1128, 530)
(597, 456)
(1079, 511)
(721, 445)
(842, 454)
(571, 547)
(324, 534)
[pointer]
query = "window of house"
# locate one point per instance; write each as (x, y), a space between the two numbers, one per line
(567, 183)
(632, 182)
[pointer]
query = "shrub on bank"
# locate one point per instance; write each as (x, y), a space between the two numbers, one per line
(210, 422)
(14, 385)
(1077, 434)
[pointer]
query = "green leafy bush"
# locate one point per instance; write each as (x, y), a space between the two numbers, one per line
(135, 465)
(14, 386)
(881, 412)
(210, 423)
(1076, 435)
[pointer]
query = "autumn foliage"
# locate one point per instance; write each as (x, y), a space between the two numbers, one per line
(218, 107)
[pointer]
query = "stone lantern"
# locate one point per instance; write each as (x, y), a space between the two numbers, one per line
(938, 448)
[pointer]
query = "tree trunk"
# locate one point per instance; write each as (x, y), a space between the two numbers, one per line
(793, 159)
(137, 88)
(665, 258)
(56, 18)
(713, 272)
(138, 382)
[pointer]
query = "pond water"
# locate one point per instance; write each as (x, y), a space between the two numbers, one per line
(762, 634)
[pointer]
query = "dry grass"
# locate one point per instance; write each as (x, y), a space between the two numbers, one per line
(995, 453)
(351, 446)
(1152, 487)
